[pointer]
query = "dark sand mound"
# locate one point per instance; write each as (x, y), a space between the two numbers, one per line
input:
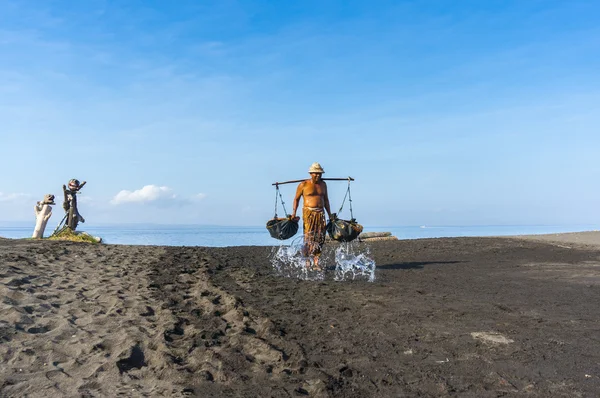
(480, 317)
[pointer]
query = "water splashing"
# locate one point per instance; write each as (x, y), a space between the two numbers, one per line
(351, 263)
(348, 261)
(289, 261)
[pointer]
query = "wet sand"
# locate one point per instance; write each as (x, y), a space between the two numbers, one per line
(469, 317)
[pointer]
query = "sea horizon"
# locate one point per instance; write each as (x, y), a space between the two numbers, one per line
(31, 223)
(230, 235)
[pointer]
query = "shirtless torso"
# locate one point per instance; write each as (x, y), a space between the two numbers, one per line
(314, 194)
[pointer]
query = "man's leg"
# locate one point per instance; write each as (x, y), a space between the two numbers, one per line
(314, 238)
(316, 261)
(309, 249)
(319, 239)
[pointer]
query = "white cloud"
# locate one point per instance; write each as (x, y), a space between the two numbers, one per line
(14, 197)
(148, 194)
(200, 196)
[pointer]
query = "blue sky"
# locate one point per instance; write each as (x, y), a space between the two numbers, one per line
(445, 113)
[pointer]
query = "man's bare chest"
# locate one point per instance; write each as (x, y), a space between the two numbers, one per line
(313, 190)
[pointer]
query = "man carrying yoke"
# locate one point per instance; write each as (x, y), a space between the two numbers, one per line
(315, 203)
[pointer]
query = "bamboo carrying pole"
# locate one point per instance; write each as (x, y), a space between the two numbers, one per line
(324, 179)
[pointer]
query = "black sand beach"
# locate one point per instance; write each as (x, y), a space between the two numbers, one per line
(468, 317)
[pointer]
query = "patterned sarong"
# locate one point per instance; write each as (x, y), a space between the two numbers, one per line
(314, 230)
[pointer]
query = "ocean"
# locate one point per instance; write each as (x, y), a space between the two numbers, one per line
(221, 236)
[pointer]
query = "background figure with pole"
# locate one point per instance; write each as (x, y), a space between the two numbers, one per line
(70, 204)
(315, 203)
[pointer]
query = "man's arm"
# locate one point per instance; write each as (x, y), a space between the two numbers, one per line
(299, 192)
(326, 200)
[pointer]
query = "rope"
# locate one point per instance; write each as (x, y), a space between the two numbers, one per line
(278, 192)
(347, 195)
(350, 200)
(282, 202)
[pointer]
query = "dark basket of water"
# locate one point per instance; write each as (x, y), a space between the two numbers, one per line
(343, 230)
(282, 228)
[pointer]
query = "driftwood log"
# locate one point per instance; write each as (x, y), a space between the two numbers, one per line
(375, 236)
(43, 212)
(378, 238)
(372, 237)
(368, 235)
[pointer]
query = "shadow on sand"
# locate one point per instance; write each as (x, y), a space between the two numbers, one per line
(415, 265)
